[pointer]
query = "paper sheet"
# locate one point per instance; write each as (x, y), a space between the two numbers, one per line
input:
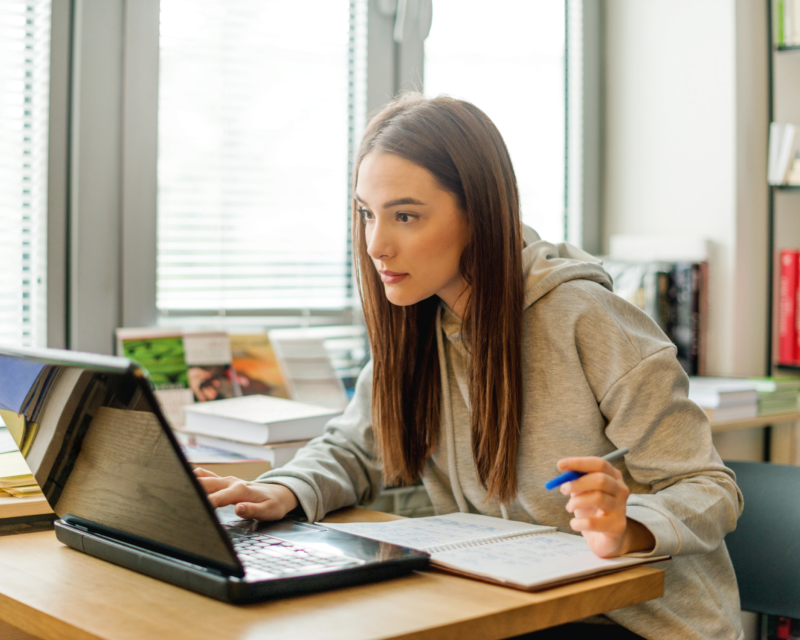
(532, 561)
(6, 441)
(424, 533)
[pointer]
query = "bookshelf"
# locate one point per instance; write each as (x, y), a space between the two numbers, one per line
(783, 68)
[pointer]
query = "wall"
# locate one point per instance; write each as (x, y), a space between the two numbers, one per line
(685, 155)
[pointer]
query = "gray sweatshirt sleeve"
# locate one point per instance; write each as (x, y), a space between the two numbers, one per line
(340, 468)
(693, 500)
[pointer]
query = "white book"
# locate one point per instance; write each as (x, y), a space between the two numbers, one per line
(516, 554)
(257, 419)
(716, 393)
(276, 454)
(775, 139)
(787, 152)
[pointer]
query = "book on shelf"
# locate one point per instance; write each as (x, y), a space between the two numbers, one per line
(789, 307)
(783, 164)
(276, 455)
(515, 554)
(258, 419)
(787, 23)
(675, 296)
(224, 462)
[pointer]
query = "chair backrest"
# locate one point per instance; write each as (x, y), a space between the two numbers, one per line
(765, 547)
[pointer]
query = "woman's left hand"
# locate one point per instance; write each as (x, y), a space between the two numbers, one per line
(598, 501)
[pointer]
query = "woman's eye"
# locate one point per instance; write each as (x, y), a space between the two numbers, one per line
(405, 217)
(367, 215)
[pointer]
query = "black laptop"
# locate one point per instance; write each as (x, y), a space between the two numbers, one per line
(97, 442)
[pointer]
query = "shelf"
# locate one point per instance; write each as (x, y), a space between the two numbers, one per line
(788, 367)
(752, 423)
(787, 47)
(787, 187)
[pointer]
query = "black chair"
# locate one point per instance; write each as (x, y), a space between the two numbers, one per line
(765, 547)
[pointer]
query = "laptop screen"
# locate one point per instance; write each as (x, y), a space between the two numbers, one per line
(96, 441)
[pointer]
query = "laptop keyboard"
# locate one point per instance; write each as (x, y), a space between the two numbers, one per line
(281, 559)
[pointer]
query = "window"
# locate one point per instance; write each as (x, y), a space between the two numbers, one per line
(261, 102)
(508, 58)
(24, 89)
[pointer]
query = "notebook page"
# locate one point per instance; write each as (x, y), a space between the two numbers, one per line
(532, 561)
(424, 533)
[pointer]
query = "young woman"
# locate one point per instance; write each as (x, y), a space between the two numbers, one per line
(500, 360)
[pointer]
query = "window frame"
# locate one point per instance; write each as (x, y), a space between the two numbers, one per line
(103, 177)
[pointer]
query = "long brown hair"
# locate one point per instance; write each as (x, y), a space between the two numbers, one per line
(458, 144)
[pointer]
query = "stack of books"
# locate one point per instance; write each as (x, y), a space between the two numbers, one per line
(257, 428)
(724, 399)
(777, 395)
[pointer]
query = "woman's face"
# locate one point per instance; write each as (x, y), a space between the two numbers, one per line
(414, 230)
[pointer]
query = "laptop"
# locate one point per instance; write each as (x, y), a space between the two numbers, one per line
(98, 444)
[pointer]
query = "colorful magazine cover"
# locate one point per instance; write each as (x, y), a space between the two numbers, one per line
(256, 366)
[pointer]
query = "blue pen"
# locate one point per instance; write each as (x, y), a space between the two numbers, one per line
(568, 476)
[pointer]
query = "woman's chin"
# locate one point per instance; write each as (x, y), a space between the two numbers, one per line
(400, 298)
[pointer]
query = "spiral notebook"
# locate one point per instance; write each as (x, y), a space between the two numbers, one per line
(516, 554)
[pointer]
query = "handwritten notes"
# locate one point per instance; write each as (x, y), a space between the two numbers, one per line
(532, 561)
(425, 533)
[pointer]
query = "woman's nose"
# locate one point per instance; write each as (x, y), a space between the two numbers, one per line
(379, 241)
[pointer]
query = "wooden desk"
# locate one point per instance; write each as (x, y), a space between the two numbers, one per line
(54, 592)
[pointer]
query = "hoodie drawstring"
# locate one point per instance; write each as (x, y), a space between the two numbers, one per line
(452, 470)
(447, 410)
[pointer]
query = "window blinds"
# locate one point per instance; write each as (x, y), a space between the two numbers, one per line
(24, 108)
(256, 119)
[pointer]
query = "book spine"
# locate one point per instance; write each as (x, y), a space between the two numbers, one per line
(702, 338)
(779, 21)
(795, 308)
(500, 537)
(687, 308)
(788, 305)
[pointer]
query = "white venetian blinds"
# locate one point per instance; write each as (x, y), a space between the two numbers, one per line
(256, 120)
(24, 108)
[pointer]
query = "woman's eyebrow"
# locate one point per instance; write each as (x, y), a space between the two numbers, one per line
(394, 203)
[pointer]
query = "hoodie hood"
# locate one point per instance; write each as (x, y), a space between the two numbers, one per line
(546, 265)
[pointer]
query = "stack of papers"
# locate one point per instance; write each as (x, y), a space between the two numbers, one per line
(724, 399)
(16, 478)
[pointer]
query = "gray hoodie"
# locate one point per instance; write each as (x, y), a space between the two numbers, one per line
(598, 375)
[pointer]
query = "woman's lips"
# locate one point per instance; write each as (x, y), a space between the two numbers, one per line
(392, 277)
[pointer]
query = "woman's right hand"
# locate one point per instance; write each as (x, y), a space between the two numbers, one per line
(253, 500)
